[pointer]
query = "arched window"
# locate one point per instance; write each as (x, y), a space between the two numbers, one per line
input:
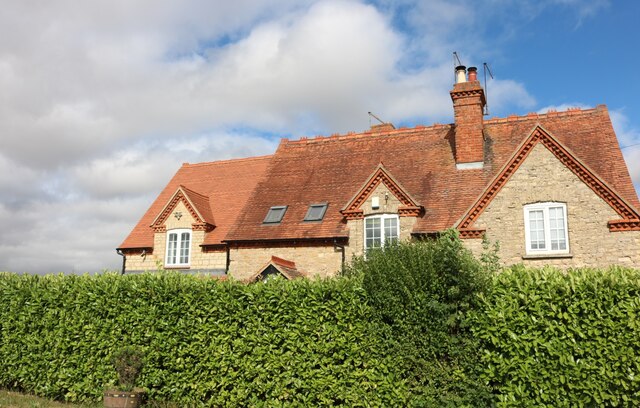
(178, 247)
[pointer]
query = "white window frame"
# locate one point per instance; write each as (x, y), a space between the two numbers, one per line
(545, 207)
(383, 238)
(176, 258)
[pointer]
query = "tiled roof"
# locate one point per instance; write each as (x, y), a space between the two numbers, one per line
(421, 159)
(218, 189)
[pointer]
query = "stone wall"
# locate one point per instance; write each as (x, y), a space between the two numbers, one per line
(141, 261)
(541, 178)
(316, 260)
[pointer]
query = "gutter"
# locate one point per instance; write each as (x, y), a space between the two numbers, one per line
(286, 240)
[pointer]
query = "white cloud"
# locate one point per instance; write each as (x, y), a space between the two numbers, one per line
(17, 182)
(66, 237)
(585, 9)
(626, 134)
(145, 167)
(506, 92)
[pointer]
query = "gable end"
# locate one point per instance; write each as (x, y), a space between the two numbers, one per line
(630, 218)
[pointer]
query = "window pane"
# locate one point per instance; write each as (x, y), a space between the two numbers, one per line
(372, 233)
(275, 214)
(547, 227)
(390, 230)
(185, 246)
(315, 212)
(556, 229)
(536, 229)
(171, 248)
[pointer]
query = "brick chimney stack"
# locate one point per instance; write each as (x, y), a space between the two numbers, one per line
(468, 106)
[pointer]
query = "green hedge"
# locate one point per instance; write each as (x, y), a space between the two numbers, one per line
(302, 343)
(387, 336)
(556, 338)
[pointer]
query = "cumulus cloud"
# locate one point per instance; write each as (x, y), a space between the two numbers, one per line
(146, 166)
(102, 101)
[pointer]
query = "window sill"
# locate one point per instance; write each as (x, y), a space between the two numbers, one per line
(547, 256)
(168, 267)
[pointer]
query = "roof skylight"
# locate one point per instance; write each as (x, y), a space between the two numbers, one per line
(275, 214)
(316, 212)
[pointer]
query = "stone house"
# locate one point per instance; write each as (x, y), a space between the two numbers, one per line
(551, 188)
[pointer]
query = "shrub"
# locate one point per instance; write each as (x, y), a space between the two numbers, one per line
(421, 292)
(128, 364)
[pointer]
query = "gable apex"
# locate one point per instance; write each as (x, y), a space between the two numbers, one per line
(197, 205)
(630, 219)
(410, 206)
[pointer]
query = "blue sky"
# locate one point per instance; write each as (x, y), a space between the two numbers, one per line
(102, 101)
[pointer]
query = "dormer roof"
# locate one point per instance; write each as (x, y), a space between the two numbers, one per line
(196, 203)
(284, 267)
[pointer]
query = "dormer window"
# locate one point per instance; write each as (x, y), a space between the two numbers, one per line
(316, 212)
(275, 214)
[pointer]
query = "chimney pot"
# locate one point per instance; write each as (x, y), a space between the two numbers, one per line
(461, 74)
(473, 74)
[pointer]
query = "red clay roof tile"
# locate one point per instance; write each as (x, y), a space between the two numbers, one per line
(238, 193)
(421, 159)
(198, 205)
(201, 204)
(219, 189)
